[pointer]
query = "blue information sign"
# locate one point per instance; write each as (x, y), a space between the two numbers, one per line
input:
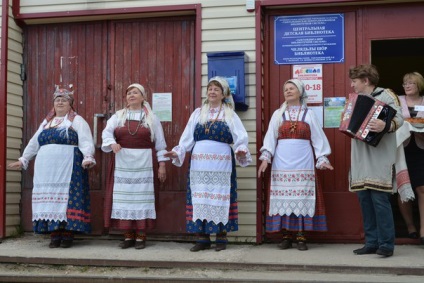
(309, 39)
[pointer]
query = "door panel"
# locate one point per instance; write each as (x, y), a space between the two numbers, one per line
(63, 55)
(100, 60)
(159, 54)
(341, 205)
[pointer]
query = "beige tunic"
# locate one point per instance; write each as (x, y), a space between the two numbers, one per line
(373, 167)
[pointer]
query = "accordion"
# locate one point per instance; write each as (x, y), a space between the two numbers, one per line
(359, 110)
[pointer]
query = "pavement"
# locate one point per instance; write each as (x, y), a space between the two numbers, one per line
(99, 258)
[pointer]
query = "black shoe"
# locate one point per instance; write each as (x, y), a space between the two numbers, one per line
(200, 247)
(66, 244)
(220, 247)
(301, 246)
(126, 244)
(413, 235)
(54, 244)
(422, 240)
(365, 251)
(139, 245)
(384, 252)
(285, 244)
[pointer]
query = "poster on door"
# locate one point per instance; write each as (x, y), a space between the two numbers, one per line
(162, 106)
(311, 76)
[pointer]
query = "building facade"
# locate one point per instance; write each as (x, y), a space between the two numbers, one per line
(102, 46)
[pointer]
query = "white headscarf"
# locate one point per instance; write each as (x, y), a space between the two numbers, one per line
(301, 87)
(227, 102)
(303, 97)
(148, 113)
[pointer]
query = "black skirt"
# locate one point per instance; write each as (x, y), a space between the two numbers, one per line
(415, 162)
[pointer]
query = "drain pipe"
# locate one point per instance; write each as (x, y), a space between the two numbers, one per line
(3, 112)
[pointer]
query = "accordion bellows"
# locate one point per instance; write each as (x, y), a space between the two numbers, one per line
(359, 110)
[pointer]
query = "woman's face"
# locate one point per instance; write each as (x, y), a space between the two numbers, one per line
(359, 85)
(291, 94)
(134, 98)
(61, 106)
(215, 95)
(410, 87)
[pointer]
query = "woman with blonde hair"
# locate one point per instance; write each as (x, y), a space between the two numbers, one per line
(412, 104)
(135, 136)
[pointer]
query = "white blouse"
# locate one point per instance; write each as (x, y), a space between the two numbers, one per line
(319, 139)
(85, 141)
(238, 132)
(108, 136)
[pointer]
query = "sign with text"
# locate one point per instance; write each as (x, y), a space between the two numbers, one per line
(162, 106)
(309, 39)
(311, 76)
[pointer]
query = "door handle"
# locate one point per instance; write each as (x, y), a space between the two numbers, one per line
(95, 122)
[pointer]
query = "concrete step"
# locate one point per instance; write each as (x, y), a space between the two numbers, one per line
(94, 274)
(28, 259)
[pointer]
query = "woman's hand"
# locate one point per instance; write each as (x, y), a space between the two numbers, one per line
(15, 165)
(241, 154)
(116, 147)
(326, 166)
(87, 164)
(171, 154)
(262, 168)
(376, 125)
(162, 172)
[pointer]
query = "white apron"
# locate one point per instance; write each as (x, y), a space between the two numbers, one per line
(210, 181)
(52, 177)
(293, 179)
(133, 189)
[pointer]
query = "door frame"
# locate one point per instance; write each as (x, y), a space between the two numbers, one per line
(309, 7)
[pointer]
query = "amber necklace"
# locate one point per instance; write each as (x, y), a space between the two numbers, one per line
(293, 123)
(210, 125)
(138, 126)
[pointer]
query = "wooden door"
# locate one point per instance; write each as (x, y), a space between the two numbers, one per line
(363, 26)
(342, 209)
(64, 54)
(159, 54)
(100, 59)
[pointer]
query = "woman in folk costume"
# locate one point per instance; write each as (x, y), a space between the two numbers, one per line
(64, 148)
(293, 136)
(211, 187)
(134, 134)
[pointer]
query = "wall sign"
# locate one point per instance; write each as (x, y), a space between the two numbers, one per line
(309, 39)
(311, 75)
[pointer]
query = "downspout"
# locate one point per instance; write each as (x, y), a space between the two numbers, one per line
(3, 112)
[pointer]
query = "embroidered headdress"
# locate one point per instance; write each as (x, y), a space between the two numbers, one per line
(63, 92)
(70, 116)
